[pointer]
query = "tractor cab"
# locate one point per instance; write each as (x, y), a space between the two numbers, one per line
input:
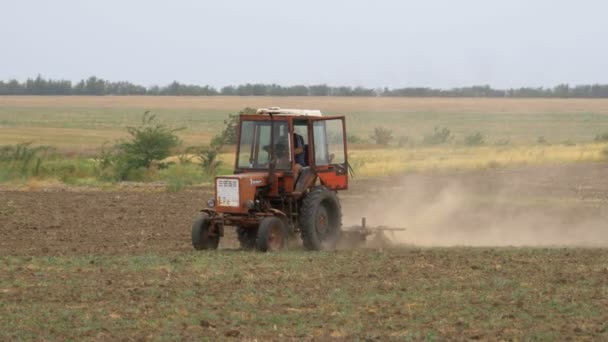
(288, 143)
(289, 165)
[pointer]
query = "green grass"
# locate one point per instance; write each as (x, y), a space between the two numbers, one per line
(396, 294)
(366, 162)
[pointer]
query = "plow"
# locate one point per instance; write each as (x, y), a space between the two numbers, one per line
(359, 235)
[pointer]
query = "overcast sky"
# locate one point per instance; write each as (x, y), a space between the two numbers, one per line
(395, 43)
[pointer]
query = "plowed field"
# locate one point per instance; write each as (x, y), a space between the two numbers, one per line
(118, 265)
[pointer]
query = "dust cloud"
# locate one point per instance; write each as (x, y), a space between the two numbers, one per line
(536, 207)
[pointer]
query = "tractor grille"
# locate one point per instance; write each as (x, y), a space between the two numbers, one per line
(227, 192)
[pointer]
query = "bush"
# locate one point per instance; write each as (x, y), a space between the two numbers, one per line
(230, 131)
(22, 160)
(438, 137)
(185, 156)
(541, 141)
(605, 152)
(67, 170)
(404, 141)
(135, 159)
(149, 142)
(475, 139)
(209, 159)
(601, 137)
(382, 136)
(354, 139)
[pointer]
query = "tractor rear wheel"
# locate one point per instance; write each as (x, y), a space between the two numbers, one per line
(202, 236)
(320, 219)
(272, 234)
(247, 237)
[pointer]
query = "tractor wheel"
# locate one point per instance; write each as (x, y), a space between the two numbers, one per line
(202, 237)
(320, 219)
(272, 234)
(247, 237)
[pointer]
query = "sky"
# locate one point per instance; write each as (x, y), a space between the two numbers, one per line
(426, 43)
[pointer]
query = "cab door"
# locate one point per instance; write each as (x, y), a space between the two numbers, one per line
(329, 152)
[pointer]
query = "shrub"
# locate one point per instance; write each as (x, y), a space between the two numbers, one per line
(209, 159)
(382, 136)
(186, 155)
(601, 137)
(475, 139)
(541, 141)
(439, 136)
(404, 141)
(67, 170)
(605, 152)
(22, 159)
(229, 133)
(149, 142)
(354, 139)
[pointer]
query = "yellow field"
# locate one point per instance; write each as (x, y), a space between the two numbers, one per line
(393, 161)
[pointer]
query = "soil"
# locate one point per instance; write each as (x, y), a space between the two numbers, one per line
(64, 221)
(82, 264)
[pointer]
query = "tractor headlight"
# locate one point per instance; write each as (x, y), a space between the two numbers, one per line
(211, 203)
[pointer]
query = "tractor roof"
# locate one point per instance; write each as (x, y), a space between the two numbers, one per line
(295, 112)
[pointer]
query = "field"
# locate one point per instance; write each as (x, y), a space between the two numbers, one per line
(84, 123)
(81, 264)
(503, 241)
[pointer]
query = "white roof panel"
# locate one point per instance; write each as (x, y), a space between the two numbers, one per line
(283, 111)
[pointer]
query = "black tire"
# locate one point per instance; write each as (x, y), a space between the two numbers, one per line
(202, 237)
(320, 219)
(272, 234)
(247, 237)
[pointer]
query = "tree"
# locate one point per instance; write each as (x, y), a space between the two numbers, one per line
(382, 136)
(95, 86)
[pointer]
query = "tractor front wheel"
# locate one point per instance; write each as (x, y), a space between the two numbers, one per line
(320, 219)
(202, 235)
(272, 234)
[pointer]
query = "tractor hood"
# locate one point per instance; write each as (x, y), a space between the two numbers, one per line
(232, 192)
(254, 179)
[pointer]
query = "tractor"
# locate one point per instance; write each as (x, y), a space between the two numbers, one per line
(289, 166)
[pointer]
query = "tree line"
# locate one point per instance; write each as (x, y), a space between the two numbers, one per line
(98, 86)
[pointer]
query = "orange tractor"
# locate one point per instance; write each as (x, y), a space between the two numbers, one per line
(289, 166)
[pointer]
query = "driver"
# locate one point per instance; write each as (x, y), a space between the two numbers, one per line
(298, 145)
(282, 154)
